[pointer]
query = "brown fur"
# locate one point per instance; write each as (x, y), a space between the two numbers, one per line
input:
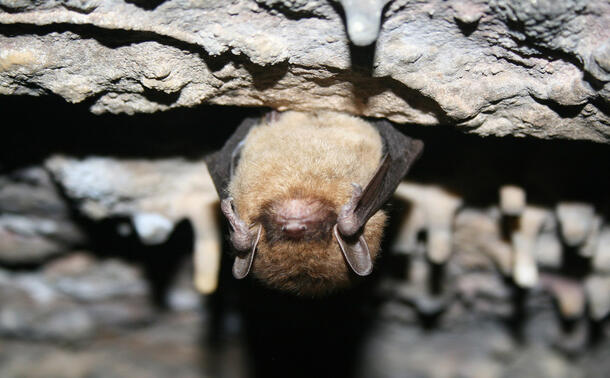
(309, 156)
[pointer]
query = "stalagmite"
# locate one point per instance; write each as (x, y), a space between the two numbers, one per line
(152, 228)
(512, 200)
(525, 270)
(576, 220)
(588, 248)
(569, 294)
(548, 251)
(597, 288)
(531, 222)
(207, 248)
(156, 195)
(411, 226)
(363, 20)
(478, 232)
(201, 208)
(601, 259)
(439, 207)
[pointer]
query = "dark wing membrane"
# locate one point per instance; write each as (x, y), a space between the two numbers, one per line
(401, 152)
(221, 162)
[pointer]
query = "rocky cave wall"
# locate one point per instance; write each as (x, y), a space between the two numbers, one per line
(488, 67)
(496, 261)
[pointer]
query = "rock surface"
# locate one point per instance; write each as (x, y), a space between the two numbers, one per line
(72, 298)
(155, 194)
(492, 68)
(35, 221)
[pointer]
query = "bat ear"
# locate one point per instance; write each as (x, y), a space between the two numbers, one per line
(356, 254)
(400, 153)
(243, 264)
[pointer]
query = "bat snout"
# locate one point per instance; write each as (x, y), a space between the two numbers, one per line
(298, 219)
(294, 229)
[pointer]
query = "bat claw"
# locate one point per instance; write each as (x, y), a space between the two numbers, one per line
(346, 220)
(226, 205)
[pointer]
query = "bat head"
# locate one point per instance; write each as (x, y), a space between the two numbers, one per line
(307, 191)
(297, 251)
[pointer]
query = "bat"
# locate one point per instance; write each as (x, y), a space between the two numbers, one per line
(302, 193)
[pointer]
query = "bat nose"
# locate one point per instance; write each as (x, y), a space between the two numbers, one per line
(294, 229)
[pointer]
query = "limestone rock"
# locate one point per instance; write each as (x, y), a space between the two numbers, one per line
(35, 221)
(492, 68)
(87, 280)
(72, 298)
(155, 194)
(32, 309)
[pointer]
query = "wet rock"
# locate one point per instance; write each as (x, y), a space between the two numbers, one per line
(497, 68)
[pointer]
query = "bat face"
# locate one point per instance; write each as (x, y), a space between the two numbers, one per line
(293, 177)
(292, 191)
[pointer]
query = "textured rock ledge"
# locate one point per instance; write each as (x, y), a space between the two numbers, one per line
(493, 68)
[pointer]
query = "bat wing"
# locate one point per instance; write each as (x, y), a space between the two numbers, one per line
(401, 152)
(221, 163)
